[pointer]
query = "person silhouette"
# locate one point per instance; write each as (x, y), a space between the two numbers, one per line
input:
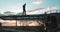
(24, 10)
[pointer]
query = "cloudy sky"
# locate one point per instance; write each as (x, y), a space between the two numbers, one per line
(16, 5)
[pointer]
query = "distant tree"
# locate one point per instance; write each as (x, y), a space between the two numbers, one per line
(8, 13)
(19, 13)
(1, 14)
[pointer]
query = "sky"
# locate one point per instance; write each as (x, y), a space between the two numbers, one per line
(16, 5)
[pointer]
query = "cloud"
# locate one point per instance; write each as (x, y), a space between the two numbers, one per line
(16, 11)
(2, 11)
(51, 8)
(37, 2)
(37, 11)
(40, 11)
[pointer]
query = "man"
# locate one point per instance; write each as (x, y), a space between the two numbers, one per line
(24, 11)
